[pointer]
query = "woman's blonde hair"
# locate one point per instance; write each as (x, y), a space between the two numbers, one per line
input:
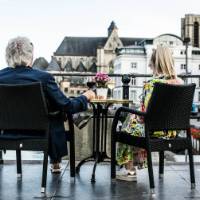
(163, 62)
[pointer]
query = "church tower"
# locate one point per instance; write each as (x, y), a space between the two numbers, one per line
(190, 27)
(112, 28)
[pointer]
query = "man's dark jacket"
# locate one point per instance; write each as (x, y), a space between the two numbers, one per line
(57, 101)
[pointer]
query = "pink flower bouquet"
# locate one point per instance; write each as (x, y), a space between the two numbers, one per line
(101, 79)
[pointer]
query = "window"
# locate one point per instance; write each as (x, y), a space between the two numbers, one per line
(185, 80)
(183, 66)
(133, 94)
(196, 34)
(171, 42)
(133, 65)
(182, 52)
(119, 94)
(199, 96)
(133, 81)
(59, 61)
(114, 94)
(118, 67)
(199, 81)
(195, 52)
(199, 67)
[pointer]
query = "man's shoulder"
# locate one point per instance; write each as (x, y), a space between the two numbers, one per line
(5, 69)
(41, 73)
(26, 73)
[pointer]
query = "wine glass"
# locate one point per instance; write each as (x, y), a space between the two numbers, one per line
(111, 86)
(91, 84)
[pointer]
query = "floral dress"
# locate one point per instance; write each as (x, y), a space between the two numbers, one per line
(134, 125)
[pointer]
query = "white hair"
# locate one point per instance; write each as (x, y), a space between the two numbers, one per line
(19, 51)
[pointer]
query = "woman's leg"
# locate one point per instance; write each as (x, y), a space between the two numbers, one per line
(125, 161)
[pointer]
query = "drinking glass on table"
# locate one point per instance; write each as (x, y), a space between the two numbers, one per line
(111, 86)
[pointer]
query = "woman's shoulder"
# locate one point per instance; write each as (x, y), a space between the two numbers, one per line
(154, 80)
(148, 85)
(177, 81)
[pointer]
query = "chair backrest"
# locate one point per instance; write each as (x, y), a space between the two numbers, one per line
(169, 107)
(23, 107)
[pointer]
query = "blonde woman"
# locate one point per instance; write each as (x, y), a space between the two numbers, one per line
(162, 66)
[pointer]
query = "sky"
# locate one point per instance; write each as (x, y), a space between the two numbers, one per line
(47, 22)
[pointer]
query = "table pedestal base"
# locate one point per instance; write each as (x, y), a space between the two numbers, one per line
(96, 159)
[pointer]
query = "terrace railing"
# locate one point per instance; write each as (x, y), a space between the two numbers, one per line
(126, 81)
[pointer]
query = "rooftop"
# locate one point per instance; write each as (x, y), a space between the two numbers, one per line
(87, 46)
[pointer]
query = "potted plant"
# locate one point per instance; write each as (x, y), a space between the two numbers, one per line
(101, 80)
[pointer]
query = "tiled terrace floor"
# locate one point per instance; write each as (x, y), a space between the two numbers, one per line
(174, 186)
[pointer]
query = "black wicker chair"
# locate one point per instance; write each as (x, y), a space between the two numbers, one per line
(24, 122)
(168, 109)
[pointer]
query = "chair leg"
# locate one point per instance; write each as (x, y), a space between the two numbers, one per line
(150, 170)
(19, 163)
(161, 164)
(113, 158)
(1, 157)
(72, 158)
(44, 172)
(191, 164)
(192, 176)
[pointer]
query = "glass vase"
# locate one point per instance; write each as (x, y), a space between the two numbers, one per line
(102, 93)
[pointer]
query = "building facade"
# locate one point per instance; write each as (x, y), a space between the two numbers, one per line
(135, 60)
(114, 54)
(190, 28)
(96, 53)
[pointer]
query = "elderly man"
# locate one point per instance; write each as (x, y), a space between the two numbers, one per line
(19, 56)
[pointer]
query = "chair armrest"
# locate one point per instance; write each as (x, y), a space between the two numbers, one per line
(124, 110)
(129, 110)
(54, 114)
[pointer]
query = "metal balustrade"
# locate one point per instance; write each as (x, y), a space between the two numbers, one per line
(126, 86)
